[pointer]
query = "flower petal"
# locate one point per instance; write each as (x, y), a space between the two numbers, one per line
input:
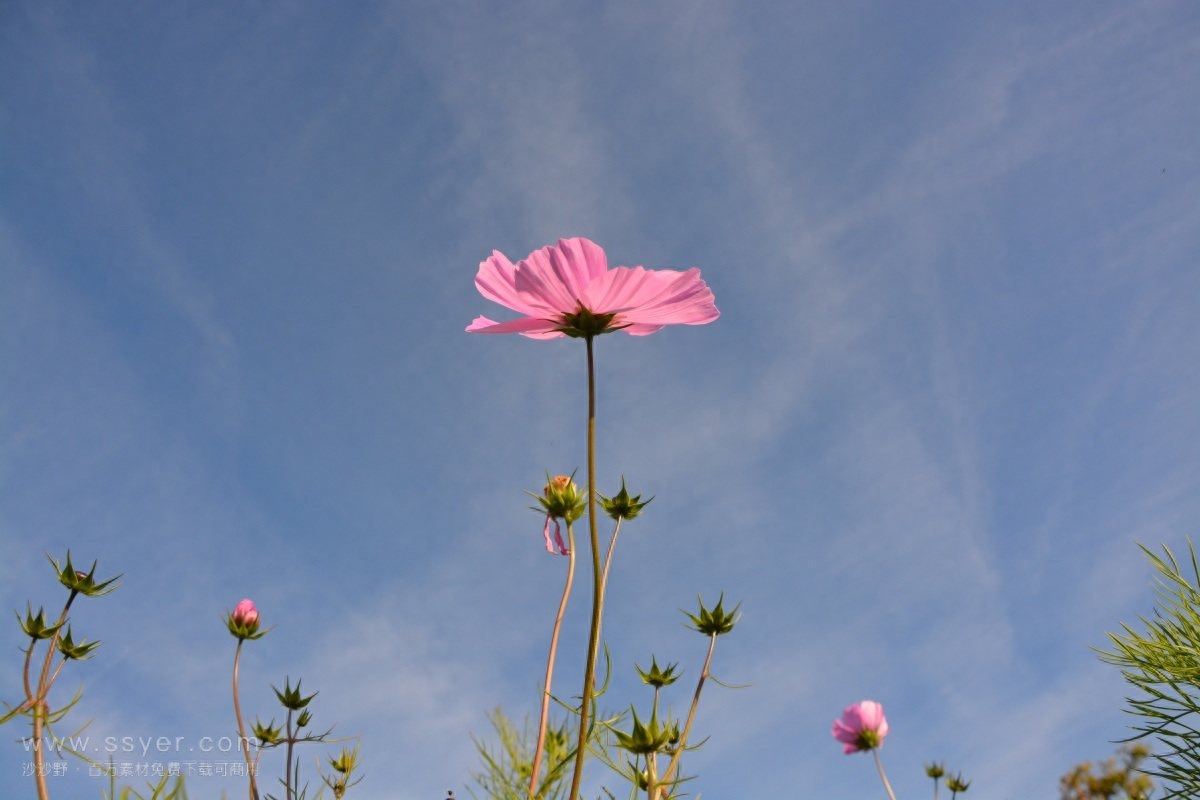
(843, 733)
(871, 714)
(555, 278)
(653, 297)
(496, 280)
(637, 328)
(558, 540)
(556, 546)
(577, 262)
(528, 326)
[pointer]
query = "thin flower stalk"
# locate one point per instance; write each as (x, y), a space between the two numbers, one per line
(655, 791)
(38, 704)
(544, 718)
(291, 745)
(612, 545)
(883, 775)
(237, 711)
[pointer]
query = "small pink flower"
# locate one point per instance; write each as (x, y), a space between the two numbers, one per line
(568, 290)
(862, 727)
(245, 614)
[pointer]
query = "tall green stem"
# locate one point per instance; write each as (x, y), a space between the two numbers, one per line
(544, 720)
(589, 672)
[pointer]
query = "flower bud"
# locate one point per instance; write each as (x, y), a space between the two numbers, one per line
(716, 622)
(651, 737)
(36, 627)
(244, 613)
(623, 506)
(290, 698)
(78, 652)
(268, 735)
(562, 499)
(243, 621)
(956, 784)
(83, 583)
(656, 676)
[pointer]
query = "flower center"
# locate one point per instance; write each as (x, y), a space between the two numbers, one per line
(584, 324)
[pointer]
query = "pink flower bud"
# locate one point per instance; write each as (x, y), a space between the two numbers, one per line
(557, 484)
(244, 613)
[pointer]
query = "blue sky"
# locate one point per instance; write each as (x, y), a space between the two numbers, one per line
(955, 250)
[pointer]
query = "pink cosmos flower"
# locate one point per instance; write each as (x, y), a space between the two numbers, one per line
(568, 290)
(245, 614)
(862, 727)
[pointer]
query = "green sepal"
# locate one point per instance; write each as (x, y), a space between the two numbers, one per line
(291, 698)
(82, 582)
(651, 737)
(73, 651)
(241, 631)
(35, 627)
(268, 735)
(583, 324)
(716, 622)
(956, 784)
(622, 505)
(657, 676)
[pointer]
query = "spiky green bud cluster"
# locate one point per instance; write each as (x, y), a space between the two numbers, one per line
(290, 698)
(651, 737)
(657, 676)
(623, 506)
(716, 622)
(35, 627)
(71, 650)
(82, 582)
(268, 735)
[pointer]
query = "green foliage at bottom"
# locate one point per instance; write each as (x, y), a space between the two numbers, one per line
(508, 763)
(1162, 662)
